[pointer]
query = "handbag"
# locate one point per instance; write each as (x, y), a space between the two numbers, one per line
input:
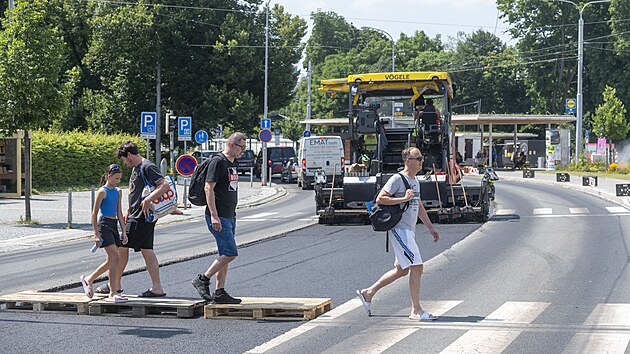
(385, 217)
(164, 204)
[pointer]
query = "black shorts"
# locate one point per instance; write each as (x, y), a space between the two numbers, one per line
(108, 228)
(140, 234)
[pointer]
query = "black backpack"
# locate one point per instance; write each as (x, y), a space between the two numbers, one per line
(196, 192)
(385, 217)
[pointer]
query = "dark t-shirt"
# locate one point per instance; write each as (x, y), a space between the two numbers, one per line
(223, 172)
(136, 185)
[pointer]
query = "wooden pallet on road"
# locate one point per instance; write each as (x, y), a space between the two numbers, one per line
(270, 308)
(44, 301)
(142, 306)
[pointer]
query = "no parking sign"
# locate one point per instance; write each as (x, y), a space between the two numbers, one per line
(185, 165)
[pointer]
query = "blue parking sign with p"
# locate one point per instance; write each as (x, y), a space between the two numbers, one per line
(148, 125)
(184, 128)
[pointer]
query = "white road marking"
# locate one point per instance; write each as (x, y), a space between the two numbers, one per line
(603, 315)
(579, 211)
(258, 216)
(495, 341)
(543, 211)
(609, 315)
(505, 212)
(617, 209)
(371, 341)
(598, 343)
(287, 336)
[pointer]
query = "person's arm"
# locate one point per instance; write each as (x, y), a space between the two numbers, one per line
(161, 187)
(121, 221)
(422, 214)
(100, 195)
(212, 205)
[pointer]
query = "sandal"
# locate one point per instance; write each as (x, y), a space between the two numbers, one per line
(116, 299)
(87, 288)
(104, 289)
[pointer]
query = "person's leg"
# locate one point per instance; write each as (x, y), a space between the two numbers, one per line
(220, 268)
(114, 279)
(153, 267)
(123, 258)
(383, 281)
(96, 273)
(415, 273)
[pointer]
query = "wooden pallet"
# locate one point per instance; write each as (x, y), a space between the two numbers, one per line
(270, 308)
(142, 306)
(41, 301)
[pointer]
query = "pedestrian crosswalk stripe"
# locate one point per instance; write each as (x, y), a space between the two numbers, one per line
(517, 312)
(495, 341)
(390, 332)
(579, 210)
(598, 343)
(258, 216)
(542, 211)
(609, 315)
(617, 209)
(481, 341)
(505, 212)
(603, 315)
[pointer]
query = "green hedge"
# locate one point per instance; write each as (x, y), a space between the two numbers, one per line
(76, 159)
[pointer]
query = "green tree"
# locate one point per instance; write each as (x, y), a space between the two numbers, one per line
(619, 15)
(610, 117)
(32, 56)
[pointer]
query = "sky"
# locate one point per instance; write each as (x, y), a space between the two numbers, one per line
(444, 17)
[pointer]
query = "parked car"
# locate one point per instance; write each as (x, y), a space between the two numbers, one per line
(289, 171)
(246, 161)
(277, 156)
(202, 155)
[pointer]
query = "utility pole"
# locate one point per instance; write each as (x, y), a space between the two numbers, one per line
(158, 110)
(308, 99)
(264, 166)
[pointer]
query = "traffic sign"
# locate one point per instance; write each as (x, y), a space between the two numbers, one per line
(265, 123)
(201, 136)
(570, 105)
(184, 129)
(265, 135)
(185, 165)
(148, 127)
(307, 133)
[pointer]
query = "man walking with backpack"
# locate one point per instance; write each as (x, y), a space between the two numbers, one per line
(221, 192)
(408, 259)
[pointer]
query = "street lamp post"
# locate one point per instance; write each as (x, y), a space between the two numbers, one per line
(393, 53)
(263, 166)
(578, 123)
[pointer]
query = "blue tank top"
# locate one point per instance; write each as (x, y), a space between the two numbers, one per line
(109, 206)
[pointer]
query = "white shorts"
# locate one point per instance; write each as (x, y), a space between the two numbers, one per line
(405, 248)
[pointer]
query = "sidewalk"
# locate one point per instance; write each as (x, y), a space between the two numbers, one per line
(605, 189)
(50, 211)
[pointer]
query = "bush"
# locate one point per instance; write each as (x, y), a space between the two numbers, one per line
(62, 160)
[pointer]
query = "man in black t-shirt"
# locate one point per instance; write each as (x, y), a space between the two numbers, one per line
(139, 223)
(221, 197)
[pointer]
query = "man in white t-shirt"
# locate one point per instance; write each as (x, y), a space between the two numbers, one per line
(408, 259)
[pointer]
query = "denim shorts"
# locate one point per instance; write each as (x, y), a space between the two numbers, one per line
(226, 243)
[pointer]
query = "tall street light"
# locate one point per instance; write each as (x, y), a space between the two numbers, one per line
(578, 124)
(393, 52)
(264, 166)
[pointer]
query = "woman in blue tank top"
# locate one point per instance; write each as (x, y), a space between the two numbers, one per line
(106, 216)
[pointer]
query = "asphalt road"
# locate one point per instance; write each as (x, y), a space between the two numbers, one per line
(540, 277)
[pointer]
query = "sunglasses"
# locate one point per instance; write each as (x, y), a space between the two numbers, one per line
(415, 158)
(114, 169)
(241, 146)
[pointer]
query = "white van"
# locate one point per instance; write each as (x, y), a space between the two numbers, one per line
(320, 153)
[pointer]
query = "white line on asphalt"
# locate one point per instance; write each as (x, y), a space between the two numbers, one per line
(377, 341)
(603, 315)
(328, 316)
(505, 212)
(38, 236)
(483, 341)
(617, 209)
(259, 215)
(543, 211)
(579, 211)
